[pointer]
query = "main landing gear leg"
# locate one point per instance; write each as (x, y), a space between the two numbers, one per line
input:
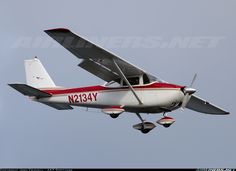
(142, 120)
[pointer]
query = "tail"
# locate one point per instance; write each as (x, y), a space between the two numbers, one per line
(36, 74)
(36, 78)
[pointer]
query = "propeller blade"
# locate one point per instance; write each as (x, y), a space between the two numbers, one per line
(188, 91)
(194, 78)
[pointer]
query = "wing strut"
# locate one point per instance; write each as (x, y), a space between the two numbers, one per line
(127, 82)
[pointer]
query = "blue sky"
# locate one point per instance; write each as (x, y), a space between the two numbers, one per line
(34, 135)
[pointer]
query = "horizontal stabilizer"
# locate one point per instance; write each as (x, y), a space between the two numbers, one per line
(58, 106)
(197, 104)
(29, 91)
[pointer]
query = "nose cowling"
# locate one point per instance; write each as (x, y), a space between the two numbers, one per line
(188, 90)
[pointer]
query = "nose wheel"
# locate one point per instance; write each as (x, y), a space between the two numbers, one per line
(166, 121)
(144, 127)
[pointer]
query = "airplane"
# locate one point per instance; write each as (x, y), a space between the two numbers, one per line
(127, 88)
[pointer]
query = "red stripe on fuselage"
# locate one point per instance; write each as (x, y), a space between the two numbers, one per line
(102, 88)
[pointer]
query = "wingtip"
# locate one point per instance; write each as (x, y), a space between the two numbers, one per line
(10, 84)
(13, 85)
(57, 30)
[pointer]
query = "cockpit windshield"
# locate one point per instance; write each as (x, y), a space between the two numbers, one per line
(136, 80)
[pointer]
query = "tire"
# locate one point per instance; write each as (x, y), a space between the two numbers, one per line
(145, 131)
(166, 125)
(114, 116)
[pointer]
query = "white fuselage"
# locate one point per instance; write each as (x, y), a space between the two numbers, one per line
(154, 100)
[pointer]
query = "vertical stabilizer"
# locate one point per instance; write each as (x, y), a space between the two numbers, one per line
(36, 75)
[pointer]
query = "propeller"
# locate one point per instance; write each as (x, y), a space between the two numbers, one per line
(188, 91)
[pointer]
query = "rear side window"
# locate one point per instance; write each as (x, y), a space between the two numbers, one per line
(132, 81)
(145, 79)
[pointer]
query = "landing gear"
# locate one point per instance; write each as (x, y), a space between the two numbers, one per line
(145, 131)
(139, 116)
(144, 127)
(166, 125)
(164, 114)
(166, 121)
(114, 115)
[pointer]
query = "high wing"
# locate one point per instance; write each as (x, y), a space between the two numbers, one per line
(197, 104)
(95, 59)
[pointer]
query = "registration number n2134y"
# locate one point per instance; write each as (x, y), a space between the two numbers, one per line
(83, 97)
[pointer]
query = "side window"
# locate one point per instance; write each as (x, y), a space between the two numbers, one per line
(145, 79)
(114, 83)
(132, 81)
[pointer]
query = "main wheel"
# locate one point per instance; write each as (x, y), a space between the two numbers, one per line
(145, 131)
(114, 115)
(166, 125)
